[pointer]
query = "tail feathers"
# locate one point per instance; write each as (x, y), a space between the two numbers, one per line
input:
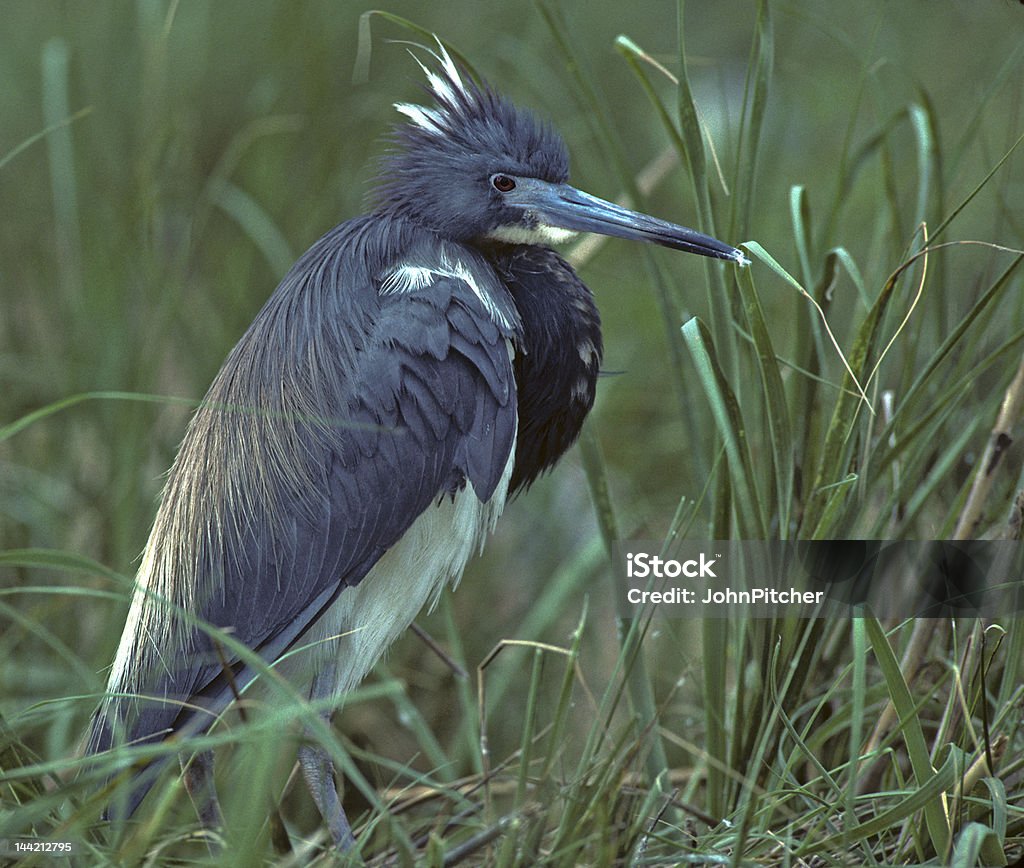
(123, 724)
(184, 705)
(112, 731)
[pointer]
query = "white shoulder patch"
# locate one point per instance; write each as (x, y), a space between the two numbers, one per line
(411, 278)
(460, 271)
(407, 278)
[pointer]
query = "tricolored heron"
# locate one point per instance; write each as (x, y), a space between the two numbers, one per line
(415, 368)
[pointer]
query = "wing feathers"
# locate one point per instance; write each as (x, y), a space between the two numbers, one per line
(341, 415)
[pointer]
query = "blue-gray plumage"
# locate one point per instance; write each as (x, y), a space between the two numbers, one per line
(415, 368)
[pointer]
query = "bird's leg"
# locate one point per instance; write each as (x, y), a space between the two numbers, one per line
(197, 774)
(318, 769)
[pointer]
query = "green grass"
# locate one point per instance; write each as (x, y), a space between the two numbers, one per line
(160, 166)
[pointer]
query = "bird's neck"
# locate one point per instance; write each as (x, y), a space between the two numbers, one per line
(558, 356)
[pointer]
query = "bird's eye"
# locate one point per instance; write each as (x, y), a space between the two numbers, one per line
(503, 183)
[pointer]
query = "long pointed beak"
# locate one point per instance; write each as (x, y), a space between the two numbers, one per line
(565, 207)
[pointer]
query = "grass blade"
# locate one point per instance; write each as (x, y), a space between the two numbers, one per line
(729, 421)
(920, 758)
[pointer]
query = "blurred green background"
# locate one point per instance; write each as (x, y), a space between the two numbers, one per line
(212, 142)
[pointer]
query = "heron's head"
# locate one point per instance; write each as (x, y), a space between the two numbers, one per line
(451, 159)
(474, 167)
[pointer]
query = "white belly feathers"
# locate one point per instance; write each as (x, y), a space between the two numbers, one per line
(366, 619)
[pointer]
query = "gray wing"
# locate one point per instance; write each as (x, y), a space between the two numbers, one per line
(339, 418)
